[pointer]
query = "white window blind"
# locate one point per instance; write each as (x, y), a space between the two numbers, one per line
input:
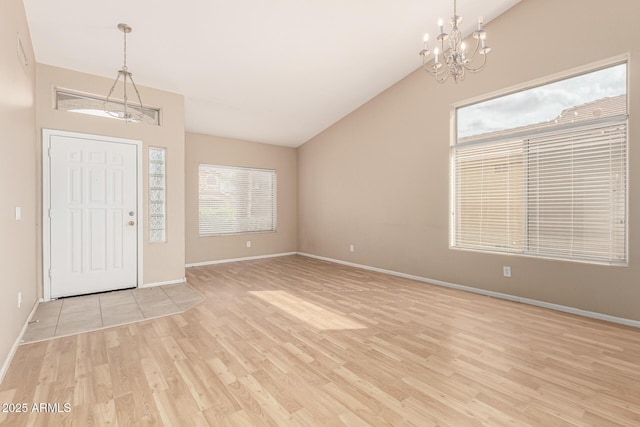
(576, 193)
(236, 200)
(554, 189)
(489, 196)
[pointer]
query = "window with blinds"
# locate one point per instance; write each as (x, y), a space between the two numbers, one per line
(555, 184)
(236, 200)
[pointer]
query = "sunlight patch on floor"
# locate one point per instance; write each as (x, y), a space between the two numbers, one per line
(312, 314)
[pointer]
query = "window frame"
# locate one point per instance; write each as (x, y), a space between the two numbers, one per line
(163, 189)
(590, 68)
(101, 101)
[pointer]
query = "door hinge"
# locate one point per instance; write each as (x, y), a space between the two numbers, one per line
(49, 152)
(49, 212)
(49, 273)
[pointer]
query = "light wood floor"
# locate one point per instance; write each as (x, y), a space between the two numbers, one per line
(296, 341)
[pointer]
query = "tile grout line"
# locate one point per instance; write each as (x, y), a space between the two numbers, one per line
(135, 298)
(171, 299)
(101, 314)
(55, 330)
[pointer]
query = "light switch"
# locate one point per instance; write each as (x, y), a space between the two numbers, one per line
(18, 213)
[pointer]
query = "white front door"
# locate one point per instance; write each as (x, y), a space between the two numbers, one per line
(93, 215)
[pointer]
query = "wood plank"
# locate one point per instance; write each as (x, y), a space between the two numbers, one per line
(275, 344)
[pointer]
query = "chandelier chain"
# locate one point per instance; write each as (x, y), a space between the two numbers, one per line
(124, 60)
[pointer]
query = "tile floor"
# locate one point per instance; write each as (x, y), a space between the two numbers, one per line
(68, 316)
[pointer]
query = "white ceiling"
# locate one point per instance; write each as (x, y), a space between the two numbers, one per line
(272, 71)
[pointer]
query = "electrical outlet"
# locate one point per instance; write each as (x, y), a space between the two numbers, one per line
(19, 299)
(506, 271)
(18, 213)
(352, 248)
(248, 243)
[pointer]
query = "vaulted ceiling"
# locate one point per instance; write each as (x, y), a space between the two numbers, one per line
(272, 71)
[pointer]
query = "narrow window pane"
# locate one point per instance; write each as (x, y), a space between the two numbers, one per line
(96, 106)
(157, 195)
(585, 97)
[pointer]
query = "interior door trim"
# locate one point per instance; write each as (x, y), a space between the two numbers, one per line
(46, 201)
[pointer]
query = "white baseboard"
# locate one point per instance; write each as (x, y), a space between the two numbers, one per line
(557, 307)
(224, 261)
(16, 344)
(168, 282)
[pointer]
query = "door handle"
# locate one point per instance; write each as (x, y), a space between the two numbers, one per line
(132, 223)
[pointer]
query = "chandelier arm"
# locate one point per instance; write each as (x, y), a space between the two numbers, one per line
(106, 101)
(113, 86)
(441, 78)
(425, 65)
(481, 67)
(137, 93)
(125, 97)
(475, 51)
(429, 69)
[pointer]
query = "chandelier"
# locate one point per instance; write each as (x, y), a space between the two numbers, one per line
(454, 60)
(124, 110)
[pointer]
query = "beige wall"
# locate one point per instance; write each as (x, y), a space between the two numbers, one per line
(233, 152)
(17, 176)
(378, 178)
(162, 261)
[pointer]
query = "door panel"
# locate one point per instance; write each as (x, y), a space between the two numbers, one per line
(93, 215)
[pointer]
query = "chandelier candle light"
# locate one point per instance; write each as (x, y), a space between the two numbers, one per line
(129, 113)
(455, 61)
